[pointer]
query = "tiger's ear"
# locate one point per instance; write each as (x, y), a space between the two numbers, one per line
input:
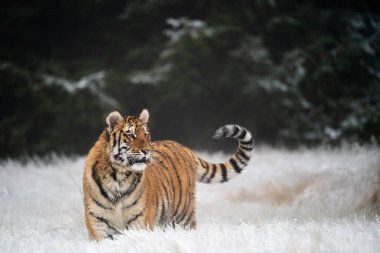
(144, 116)
(112, 120)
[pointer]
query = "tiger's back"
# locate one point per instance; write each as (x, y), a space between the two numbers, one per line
(170, 180)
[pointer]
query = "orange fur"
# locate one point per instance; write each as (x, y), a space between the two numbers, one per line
(130, 181)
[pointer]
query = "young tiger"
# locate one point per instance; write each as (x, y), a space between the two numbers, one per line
(130, 181)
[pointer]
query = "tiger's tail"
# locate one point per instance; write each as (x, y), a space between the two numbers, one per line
(222, 172)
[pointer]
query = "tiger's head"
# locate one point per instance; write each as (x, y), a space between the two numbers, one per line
(129, 144)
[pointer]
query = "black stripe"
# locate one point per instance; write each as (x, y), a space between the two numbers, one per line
(107, 136)
(134, 184)
(190, 171)
(163, 215)
(165, 156)
(114, 140)
(163, 183)
(188, 218)
(110, 236)
(186, 158)
(236, 167)
(165, 167)
(185, 209)
(225, 132)
(156, 209)
(136, 200)
(159, 160)
(127, 175)
(97, 202)
(178, 178)
(205, 165)
(249, 148)
(179, 201)
(241, 160)
(241, 153)
(242, 135)
(134, 217)
(236, 130)
(249, 142)
(118, 141)
(113, 174)
(96, 178)
(166, 193)
(212, 173)
(104, 220)
(224, 173)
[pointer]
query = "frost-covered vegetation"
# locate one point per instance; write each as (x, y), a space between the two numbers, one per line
(319, 200)
(295, 72)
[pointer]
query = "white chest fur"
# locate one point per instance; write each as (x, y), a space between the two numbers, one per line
(127, 190)
(117, 216)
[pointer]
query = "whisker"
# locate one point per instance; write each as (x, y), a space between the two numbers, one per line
(154, 153)
(154, 161)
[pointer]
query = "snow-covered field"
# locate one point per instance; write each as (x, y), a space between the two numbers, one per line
(319, 200)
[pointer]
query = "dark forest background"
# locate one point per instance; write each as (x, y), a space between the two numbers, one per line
(294, 72)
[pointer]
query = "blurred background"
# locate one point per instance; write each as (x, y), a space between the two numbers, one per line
(295, 72)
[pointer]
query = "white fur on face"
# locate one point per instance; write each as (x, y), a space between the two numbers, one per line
(138, 166)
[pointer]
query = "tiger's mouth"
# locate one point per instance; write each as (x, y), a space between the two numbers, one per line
(143, 160)
(139, 164)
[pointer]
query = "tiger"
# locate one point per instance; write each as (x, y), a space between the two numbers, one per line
(130, 182)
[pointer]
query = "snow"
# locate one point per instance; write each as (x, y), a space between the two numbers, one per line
(153, 76)
(308, 200)
(95, 82)
(82, 83)
(332, 133)
(185, 26)
(365, 29)
(177, 29)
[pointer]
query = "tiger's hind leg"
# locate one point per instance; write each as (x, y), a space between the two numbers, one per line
(189, 222)
(192, 223)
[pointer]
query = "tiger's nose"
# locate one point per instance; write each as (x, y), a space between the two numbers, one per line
(145, 151)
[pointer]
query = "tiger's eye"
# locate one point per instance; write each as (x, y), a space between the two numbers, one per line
(129, 134)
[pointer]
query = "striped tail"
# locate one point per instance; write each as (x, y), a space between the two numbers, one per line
(222, 172)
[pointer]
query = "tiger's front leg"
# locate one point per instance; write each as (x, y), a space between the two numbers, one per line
(98, 227)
